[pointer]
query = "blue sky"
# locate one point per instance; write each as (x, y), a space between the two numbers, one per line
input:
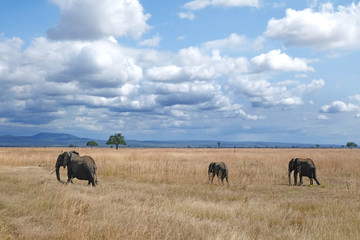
(241, 70)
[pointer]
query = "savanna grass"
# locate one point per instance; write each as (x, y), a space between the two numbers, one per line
(165, 194)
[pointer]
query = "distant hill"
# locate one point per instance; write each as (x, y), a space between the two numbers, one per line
(43, 140)
(64, 140)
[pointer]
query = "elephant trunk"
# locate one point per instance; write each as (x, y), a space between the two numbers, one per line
(291, 168)
(57, 167)
(58, 174)
(290, 177)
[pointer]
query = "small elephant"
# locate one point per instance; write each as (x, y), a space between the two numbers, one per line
(80, 167)
(303, 166)
(218, 168)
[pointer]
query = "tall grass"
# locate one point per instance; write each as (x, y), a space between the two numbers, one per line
(165, 194)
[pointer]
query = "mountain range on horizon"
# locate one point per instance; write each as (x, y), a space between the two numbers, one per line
(65, 140)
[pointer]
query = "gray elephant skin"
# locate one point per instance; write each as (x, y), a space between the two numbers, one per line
(218, 168)
(303, 167)
(80, 167)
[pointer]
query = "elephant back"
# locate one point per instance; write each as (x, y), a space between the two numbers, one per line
(91, 163)
(306, 161)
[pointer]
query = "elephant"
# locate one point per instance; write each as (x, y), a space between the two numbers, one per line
(218, 168)
(80, 167)
(303, 166)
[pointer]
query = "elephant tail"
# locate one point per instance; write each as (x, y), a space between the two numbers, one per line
(226, 172)
(314, 175)
(95, 175)
(226, 175)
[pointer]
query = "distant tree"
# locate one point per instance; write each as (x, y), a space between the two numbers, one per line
(71, 145)
(218, 143)
(92, 144)
(317, 145)
(116, 140)
(351, 145)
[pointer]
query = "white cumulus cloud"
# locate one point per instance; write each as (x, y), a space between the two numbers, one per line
(151, 42)
(339, 106)
(200, 4)
(234, 42)
(93, 19)
(327, 28)
(186, 15)
(262, 93)
(275, 60)
(193, 64)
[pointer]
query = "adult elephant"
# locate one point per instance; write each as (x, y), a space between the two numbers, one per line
(303, 166)
(218, 168)
(80, 167)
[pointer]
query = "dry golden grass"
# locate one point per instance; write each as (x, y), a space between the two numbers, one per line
(164, 194)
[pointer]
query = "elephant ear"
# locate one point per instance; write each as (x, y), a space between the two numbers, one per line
(67, 158)
(291, 164)
(60, 160)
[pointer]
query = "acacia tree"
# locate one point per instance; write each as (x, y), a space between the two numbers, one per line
(351, 145)
(92, 144)
(116, 140)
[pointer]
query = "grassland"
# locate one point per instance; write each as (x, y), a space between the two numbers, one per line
(164, 194)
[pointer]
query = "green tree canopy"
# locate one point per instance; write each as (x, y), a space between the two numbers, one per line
(92, 144)
(116, 140)
(351, 145)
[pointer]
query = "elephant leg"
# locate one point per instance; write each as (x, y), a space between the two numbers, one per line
(70, 175)
(217, 175)
(295, 178)
(92, 182)
(311, 181)
(300, 175)
(317, 182)
(212, 177)
(70, 180)
(289, 178)
(222, 177)
(227, 177)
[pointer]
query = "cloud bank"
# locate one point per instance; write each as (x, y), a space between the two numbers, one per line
(81, 76)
